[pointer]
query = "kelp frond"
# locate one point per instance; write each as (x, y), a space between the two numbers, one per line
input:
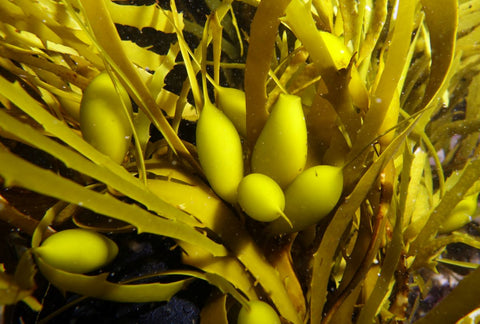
(389, 91)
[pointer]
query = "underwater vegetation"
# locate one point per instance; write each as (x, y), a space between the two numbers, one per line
(331, 158)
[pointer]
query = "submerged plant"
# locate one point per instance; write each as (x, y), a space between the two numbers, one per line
(364, 113)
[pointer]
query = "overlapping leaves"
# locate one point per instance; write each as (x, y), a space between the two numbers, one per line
(409, 66)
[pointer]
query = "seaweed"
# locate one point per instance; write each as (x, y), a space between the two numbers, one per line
(389, 92)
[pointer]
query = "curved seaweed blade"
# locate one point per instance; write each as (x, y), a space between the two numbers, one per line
(442, 21)
(18, 172)
(394, 65)
(98, 286)
(263, 32)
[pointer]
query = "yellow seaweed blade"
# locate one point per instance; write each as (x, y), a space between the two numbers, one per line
(49, 22)
(142, 16)
(260, 52)
(215, 312)
(299, 19)
(21, 173)
(227, 267)
(385, 91)
(21, 285)
(99, 287)
(442, 21)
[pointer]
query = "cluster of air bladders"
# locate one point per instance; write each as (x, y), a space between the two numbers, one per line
(279, 189)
